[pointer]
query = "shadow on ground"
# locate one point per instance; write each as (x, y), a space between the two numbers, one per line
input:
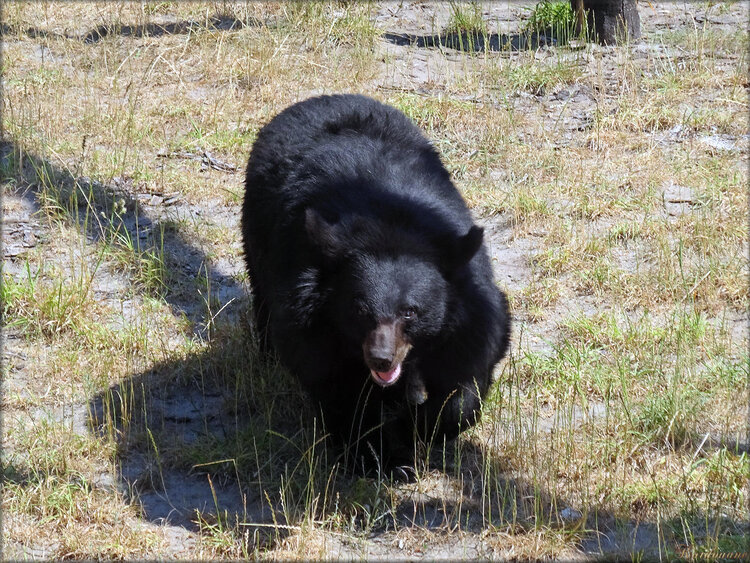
(475, 41)
(189, 440)
(462, 41)
(111, 214)
(217, 22)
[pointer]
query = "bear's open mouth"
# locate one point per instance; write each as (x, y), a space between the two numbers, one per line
(386, 377)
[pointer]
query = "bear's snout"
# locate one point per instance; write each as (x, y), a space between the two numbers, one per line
(384, 349)
(380, 346)
(381, 364)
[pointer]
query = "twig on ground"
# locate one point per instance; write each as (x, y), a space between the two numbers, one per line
(207, 159)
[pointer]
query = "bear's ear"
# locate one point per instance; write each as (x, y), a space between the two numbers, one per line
(324, 235)
(462, 249)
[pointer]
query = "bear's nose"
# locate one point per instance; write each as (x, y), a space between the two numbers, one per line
(380, 364)
(379, 347)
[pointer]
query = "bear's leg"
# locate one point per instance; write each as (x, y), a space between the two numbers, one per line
(261, 318)
(452, 415)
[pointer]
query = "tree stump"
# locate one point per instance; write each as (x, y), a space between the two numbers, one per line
(611, 21)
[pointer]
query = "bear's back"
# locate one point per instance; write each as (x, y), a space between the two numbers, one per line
(349, 151)
(300, 129)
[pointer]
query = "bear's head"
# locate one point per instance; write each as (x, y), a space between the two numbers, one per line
(389, 290)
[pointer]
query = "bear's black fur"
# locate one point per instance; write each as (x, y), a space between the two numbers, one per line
(370, 279)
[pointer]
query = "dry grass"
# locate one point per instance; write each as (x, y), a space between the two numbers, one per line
(623, 404)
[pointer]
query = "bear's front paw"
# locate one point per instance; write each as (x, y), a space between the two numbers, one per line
(416, 393)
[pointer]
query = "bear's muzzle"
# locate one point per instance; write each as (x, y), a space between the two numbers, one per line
(384, 350)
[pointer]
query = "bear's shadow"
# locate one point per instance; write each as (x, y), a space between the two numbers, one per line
(180, 432)
(175, 426)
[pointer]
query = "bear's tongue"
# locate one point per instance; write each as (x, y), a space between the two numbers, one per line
(387, 376)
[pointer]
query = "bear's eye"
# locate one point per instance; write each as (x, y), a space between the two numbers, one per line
(409, 314)
(361, 308)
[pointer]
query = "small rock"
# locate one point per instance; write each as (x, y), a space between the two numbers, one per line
(678, 200)
(29, 239)
(676, 209)
(678, 194)
(105, 481)
(676, 133)
(11, 251)
(720, 142)
(562, 95)
(570, 515)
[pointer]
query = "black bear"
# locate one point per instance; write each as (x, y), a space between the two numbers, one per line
(370, 280)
